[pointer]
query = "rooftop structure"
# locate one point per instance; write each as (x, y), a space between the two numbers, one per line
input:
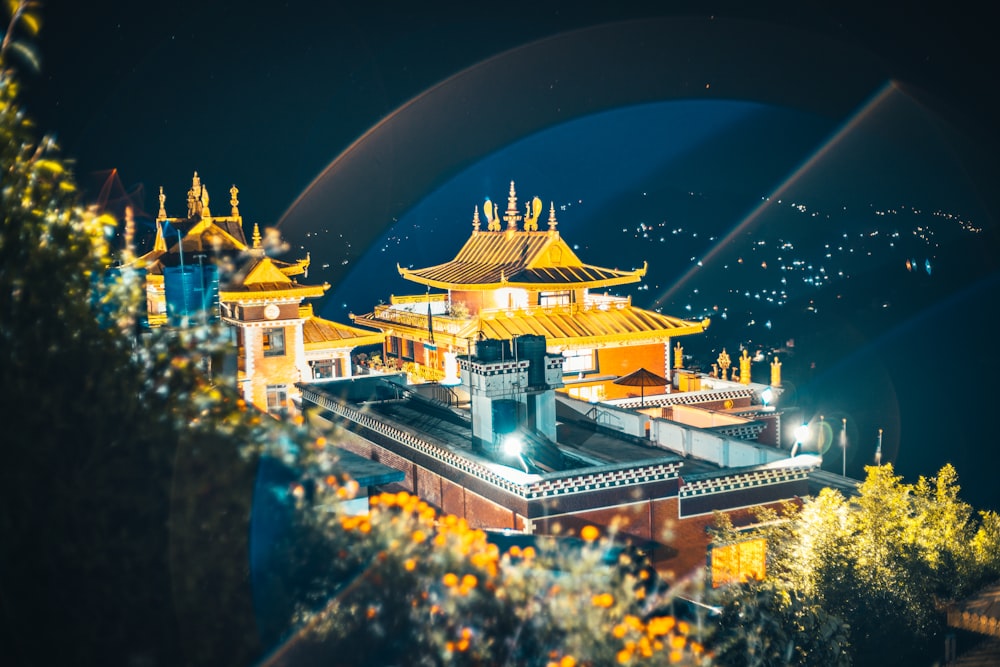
(509, 280)
(201, 268)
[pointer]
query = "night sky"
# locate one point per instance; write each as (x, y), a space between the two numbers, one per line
(344, 119)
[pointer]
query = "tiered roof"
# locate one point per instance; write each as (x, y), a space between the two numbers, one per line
(514, 257)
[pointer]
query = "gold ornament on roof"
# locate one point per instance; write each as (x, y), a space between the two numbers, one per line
(776, 373)
(745, 367)
(678, 356)
(531, 213)
(233, 201)
(512, 216)
(162, 214)
(256, 235)
(492, 222)
(552, 217)
(724, 363)
(475, 219)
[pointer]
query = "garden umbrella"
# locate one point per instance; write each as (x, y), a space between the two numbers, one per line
(642, 379)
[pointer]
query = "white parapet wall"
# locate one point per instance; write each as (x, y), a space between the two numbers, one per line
(690, 441)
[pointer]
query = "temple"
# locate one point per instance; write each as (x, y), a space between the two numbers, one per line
(512, 279)
(201, 268)
(521, 399)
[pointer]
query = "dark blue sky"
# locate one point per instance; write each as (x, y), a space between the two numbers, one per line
(383, 106)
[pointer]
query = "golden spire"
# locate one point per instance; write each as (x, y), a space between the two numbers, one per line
(233, 201)
(776, 373)
(512, 215)
(475, 219)
(552, 217)
(256, 236)
(745, 367)
(678, 356)
(194, 196)
(162, 215)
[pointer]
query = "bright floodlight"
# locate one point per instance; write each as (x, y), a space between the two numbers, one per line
(766, 396)
(801, 433)
(512, 445)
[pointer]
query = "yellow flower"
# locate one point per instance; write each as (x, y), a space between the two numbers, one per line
(450, 580)
(619, 631)
(410, 564)
(469, 581)
(567, 661)
(418, 536)
(624, 656)
(590, 533)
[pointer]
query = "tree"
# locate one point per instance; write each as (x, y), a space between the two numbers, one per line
(886, 561)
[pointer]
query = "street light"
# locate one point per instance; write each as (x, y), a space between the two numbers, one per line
(843, 445)
(801, 433)
(878, 449)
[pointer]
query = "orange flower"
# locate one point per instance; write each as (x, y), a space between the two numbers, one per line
(590, 533)
(619, 631)
(567, 661)
(418, 536)
(528, 553)
(469, 581)
(604, 600)
(450, 580)
(624, 656)
(410, 564)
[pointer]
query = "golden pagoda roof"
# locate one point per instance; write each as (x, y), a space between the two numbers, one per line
(319, 333)
(515, 257)
(562, 327)
(263, 277)
(567, 327)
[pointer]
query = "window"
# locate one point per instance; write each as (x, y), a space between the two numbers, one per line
(322, 369)
(408, 349)
(578, 361)
(274, 342)
(277, 398)
(548, 299)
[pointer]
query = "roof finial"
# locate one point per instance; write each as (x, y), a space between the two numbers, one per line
(475, 219)
(256, 235)
(531, 214)
(512, 215)
(552, 217)
(162, 215)
(233, 201)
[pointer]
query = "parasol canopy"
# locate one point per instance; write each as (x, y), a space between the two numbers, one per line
(642, 378)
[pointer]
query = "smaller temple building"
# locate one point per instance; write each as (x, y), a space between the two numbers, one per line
(202, 269)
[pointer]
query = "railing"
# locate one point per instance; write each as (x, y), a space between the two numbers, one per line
(451, 324)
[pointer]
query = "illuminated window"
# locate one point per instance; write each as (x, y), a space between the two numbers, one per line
(546, 299)
(578, 361)
(277, 398)
(274, 342)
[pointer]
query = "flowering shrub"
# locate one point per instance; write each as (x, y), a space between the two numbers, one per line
(406, 585)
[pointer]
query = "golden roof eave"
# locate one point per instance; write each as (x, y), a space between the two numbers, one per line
(291, 292)
(623, 278)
